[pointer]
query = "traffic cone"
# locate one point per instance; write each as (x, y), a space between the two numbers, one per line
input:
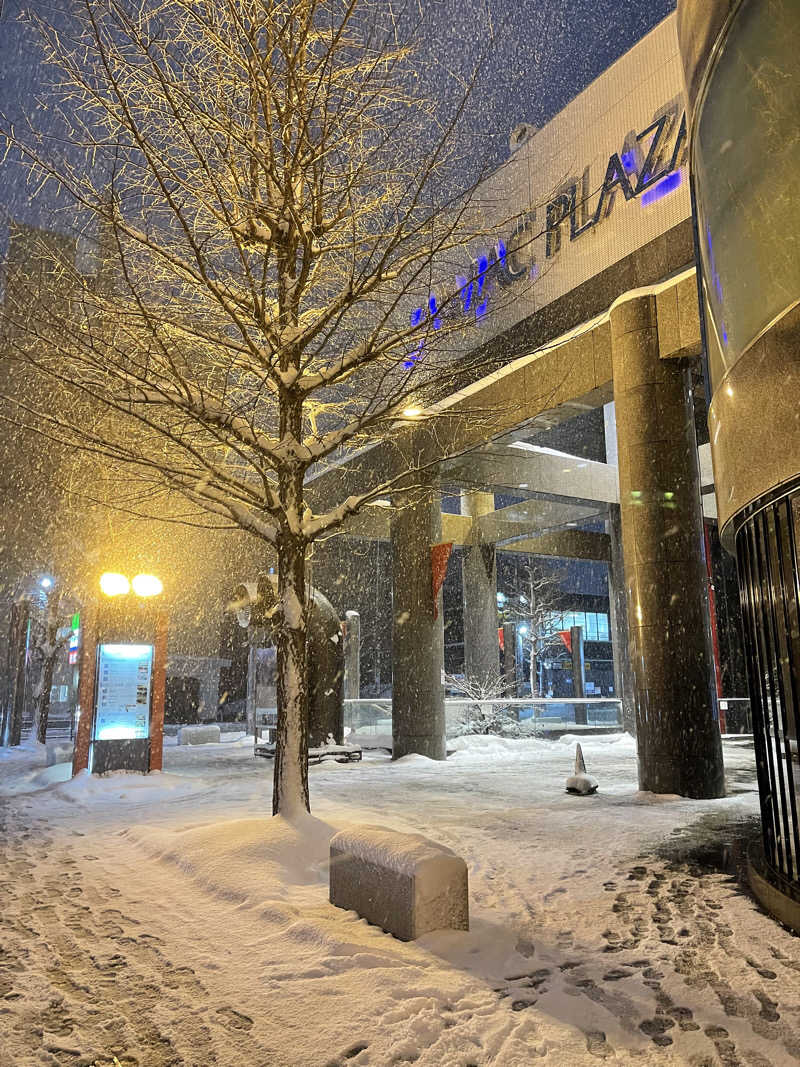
(580, 782)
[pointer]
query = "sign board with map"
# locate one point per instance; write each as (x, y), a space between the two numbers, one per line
(124, 676)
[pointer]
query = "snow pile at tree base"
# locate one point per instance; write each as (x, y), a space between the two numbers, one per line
(246, 860)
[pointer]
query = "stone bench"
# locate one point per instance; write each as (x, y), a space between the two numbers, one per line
(404, 883)
(199, 735)
(59, 752)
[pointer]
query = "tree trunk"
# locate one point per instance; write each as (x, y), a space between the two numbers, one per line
(290, 785)
(42, 707)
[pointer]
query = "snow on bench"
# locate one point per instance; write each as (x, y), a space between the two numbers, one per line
(404, 883)
(199, 735)
(59, 752)
(339, 753)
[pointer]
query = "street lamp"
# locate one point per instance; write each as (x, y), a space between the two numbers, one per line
(113, 584)
(144, 585)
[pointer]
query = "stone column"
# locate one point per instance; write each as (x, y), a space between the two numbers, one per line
(578, 673)
(418, 722)
(250, 702)
(662, 539)
(618, 619)
(352, 655)
(479, 583)
(510, 658)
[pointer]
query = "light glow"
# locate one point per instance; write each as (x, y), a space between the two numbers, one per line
(662, 188)
(147, 585)
(113, 584)
(117, 733)
(412, 413)
(126, 651)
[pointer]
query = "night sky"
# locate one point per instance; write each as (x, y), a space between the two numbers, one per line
(537, 55)
(541, 54)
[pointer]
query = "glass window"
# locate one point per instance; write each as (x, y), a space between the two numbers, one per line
(746, 162)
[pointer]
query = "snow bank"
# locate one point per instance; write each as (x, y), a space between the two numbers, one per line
(29, 752)
(493, 746)
(417, 758)
(598, 742)
(22, 768)
(153, 788)
(246, 860)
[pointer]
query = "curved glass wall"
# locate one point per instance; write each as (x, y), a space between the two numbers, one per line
(747, 167)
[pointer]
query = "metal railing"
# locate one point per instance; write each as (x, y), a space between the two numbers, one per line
(769, 578)
(737, 713)
(523, 715)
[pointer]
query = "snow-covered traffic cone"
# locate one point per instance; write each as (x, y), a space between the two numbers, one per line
(580, 782)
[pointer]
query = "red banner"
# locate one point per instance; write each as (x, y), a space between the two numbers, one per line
(440, 555)
(566, 637)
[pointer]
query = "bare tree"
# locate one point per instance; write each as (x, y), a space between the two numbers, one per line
(485, 709)
(535, 605)
(49, 636)
(271, 206)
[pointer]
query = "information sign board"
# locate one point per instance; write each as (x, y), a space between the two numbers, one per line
(124, 675)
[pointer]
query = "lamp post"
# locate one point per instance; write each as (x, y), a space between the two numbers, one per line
(123, 676)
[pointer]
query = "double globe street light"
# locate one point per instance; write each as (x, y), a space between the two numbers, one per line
(124, 633)
(144, 585)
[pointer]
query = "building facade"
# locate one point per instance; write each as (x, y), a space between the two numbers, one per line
(586, 298)
(743, 86)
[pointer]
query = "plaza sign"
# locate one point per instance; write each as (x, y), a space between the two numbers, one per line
(646, 168)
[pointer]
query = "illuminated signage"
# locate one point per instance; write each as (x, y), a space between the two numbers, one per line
(124, 674)
(74, 638)
(646, 168)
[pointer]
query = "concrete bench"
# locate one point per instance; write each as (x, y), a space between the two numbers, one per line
(199, 735)
(338, 753)
(404, 883)
(59, 752)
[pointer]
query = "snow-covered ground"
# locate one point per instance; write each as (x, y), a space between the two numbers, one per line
(169, 920)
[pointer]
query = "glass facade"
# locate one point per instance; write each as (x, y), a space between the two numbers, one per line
(746, 161)
(595, 624)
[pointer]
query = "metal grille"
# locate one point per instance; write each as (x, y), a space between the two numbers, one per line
(767, 555)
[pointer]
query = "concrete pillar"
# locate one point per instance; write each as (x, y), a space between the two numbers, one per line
(479, 582)
(250, 702)
(578, 673)
(618, 619)
(418, 722)
(662, 538)
(352, 655)
(510, 658)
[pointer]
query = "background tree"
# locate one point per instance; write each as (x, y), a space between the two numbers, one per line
(49, 636)
(266, 201)
(484, 709)
(535, 605)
